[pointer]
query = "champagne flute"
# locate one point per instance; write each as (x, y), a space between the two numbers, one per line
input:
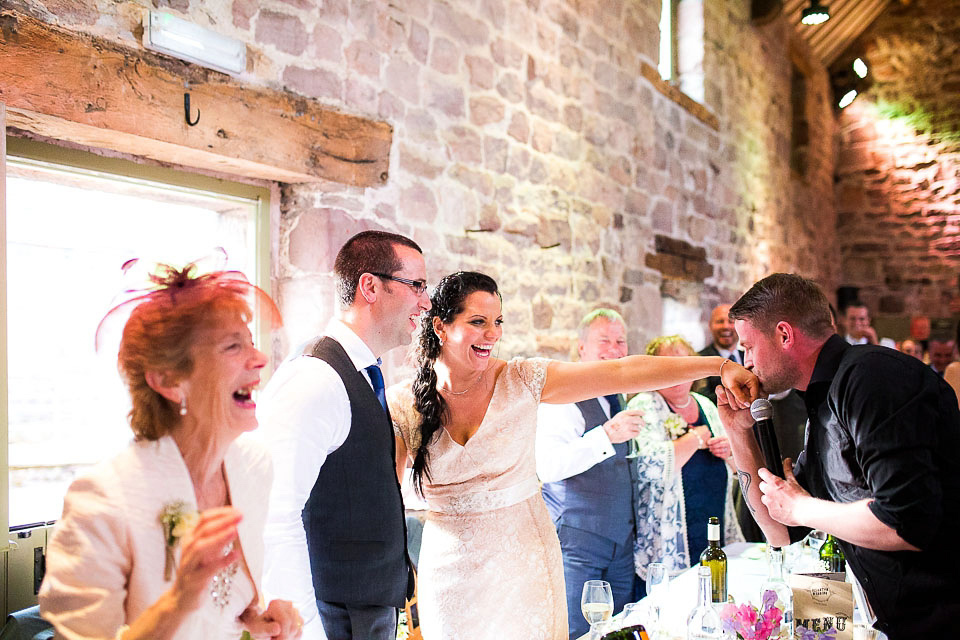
(633, 449)
(596, 601)
(657, 581)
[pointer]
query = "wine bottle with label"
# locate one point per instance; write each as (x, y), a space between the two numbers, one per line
(831, 555)
(704, 621)
(779, 586)
(714, 558)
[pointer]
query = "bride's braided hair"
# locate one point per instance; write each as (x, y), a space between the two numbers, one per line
(447, 303)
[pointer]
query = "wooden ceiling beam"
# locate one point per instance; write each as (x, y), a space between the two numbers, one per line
(94, 92)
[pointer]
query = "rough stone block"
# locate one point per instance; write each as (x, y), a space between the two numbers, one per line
(573, 116)
(511, 87)
(363, 58)
(315, 83)
(417, 203)
(486, 110)
(542, 139)
(506, 54)
(481, 72)
(419, 42)
(401, 77)
(461, 27)
(446, 98)
(495, 154)
(285, 32)
(326, 43)
(519, 128)
(361, 96)
(465, 145)
(446, 56)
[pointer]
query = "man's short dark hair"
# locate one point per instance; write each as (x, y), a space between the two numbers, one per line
(785, 297)
(367, 252)
(856, 302)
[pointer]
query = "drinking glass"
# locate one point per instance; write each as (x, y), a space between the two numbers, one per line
(633, 614)
(657, 581)
(596, 601)
(633, 449)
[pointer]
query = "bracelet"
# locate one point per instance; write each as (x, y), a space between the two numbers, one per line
(703, 445)
(720, 373)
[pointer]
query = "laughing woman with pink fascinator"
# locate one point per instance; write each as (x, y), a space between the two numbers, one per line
(165, 541)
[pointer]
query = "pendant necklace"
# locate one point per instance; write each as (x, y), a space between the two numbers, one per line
(472, 385)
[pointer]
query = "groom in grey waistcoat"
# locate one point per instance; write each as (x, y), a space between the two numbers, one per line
(336, 534)
(589, 483)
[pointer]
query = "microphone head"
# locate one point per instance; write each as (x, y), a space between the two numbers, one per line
(761, 409)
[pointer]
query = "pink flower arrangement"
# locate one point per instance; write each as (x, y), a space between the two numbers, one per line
(749, 623)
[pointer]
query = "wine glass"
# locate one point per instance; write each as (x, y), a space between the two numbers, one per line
(657, 581)
(596, 601)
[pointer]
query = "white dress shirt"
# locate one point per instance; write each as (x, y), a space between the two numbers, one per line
(563, 449)
(305, 416)
(731, 354)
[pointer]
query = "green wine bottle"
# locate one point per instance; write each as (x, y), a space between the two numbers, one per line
(715, 559)
(831, 555)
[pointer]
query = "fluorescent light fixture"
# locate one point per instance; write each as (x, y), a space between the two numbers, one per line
(847, 98)
(181, 39)
(860, 67)
(816, 13)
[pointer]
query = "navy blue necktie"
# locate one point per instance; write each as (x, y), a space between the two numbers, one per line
(614, 400)
(376, 378)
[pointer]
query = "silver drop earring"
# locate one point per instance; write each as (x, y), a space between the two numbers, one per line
(183, 405)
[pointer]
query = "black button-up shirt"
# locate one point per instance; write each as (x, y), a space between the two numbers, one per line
(883, 426)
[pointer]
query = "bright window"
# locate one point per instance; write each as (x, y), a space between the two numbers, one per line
(69, 229)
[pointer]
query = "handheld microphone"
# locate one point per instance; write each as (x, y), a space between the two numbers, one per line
(762, 412)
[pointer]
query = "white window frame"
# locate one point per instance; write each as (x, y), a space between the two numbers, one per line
(130, 171)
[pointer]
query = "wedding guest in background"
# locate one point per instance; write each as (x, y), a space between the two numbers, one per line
(490, 563)
(124, 561)
(912, 348)
(588, 481)
(684, 472)
(942, 352)
(724, 344)
(856, 316)
(952, 373)
(877, 470)
(336, 532)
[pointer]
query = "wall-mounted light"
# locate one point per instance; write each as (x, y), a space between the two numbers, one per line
(860, 68)
(847, 98)
(171, 35)
(816, 13)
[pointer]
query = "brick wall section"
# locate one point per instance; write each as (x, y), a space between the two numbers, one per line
(527, 144)
(898, 189)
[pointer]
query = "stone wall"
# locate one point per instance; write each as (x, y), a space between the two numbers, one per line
(898, 189)
(532, 142)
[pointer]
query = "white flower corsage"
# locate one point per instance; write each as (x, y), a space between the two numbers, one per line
(675, 426)
(176, 522)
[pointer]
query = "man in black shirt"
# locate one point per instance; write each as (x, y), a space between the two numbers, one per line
(878, 470)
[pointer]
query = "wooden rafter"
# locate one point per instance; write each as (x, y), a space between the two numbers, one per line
(98, 93)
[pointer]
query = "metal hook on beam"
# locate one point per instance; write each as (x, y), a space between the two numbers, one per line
(186, 110)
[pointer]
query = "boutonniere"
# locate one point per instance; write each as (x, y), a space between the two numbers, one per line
(675, 426)
(176, 522)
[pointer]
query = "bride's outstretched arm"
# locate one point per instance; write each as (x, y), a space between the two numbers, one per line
(574, 381)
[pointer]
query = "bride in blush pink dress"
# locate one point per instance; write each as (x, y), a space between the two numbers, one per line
(490, 564)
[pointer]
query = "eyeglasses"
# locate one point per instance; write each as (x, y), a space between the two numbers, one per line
(418, 286)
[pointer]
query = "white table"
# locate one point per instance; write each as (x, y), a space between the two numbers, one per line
(746, 573)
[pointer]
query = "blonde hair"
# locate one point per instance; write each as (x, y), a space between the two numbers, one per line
(656, 346)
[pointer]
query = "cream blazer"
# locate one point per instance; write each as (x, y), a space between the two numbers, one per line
(105, 562)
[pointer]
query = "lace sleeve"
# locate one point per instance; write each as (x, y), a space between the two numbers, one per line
(533, 373)
(405, 417)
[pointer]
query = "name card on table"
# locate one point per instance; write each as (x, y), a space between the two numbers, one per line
(821, 601)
